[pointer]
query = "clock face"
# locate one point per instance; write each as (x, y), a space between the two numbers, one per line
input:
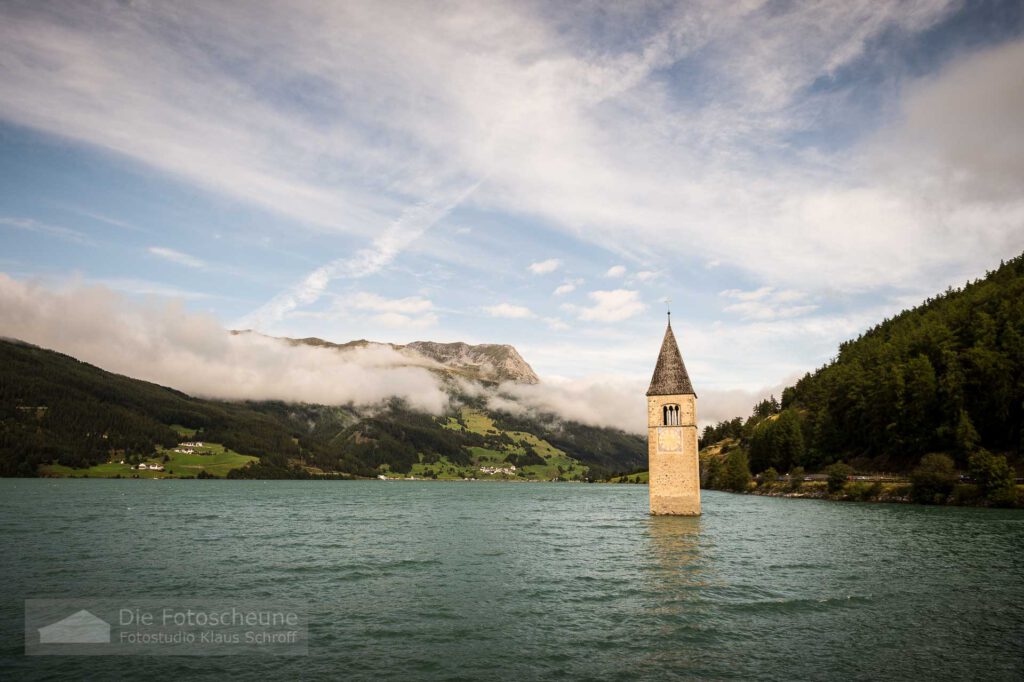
(670, 440)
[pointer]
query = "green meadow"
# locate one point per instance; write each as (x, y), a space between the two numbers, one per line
(556, 462)
(213, 459)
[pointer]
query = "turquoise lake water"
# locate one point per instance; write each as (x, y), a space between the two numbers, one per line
(430, 580)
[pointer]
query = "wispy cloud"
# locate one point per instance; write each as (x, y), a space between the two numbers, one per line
(510, 311)
(143, 287)
(29, 225)
(107, 220)
(768, 304)
(178, 257)
(508, 92)
(413, 222)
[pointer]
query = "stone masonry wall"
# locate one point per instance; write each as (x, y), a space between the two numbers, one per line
(672, 456)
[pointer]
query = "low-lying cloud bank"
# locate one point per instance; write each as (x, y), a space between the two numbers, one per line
(616, 402)
(161, 342)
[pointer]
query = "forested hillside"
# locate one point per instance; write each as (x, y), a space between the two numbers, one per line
(947, 376)
(57, 410)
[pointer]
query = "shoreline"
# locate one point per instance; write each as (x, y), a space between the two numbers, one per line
(963, 495)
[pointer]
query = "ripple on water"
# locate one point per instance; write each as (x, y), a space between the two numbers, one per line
(463, 581)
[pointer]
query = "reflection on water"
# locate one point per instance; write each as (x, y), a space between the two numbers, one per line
(674, 537)
(677, 565)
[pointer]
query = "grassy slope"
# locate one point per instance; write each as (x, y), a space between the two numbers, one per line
(476, 421)
(213, 458)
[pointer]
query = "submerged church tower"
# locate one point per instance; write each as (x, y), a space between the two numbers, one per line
(672, 434)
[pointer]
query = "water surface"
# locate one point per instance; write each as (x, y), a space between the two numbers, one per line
(433, 580)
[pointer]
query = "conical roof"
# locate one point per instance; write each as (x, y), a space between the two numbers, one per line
(670, 377)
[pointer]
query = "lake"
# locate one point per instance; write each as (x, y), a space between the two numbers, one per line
(434, 580)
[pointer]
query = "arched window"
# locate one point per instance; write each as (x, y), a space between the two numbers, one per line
(670, 415)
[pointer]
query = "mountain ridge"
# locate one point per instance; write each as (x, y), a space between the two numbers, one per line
(487, 362)
(57, 410)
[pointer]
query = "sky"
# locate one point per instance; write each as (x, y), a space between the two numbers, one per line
(543, 174)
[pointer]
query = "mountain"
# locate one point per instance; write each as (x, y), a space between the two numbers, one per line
(946, 376)
(486, 362)
(57, 412)
(489, 362)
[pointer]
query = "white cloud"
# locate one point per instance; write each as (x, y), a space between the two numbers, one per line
(165, 344)
(616, 271)
(368, 301)
(596, 401)
(177, 257)
(508, 310)
(545, 266)
(755, 295)
(411, 312)
(556, 324)
(766, 303)
(400, 321)
(616, 402)
(613, 306)
(567, 287)
(645, 275)
(755, 310)
(563, 289)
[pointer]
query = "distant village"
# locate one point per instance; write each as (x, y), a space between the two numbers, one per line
(186, 448)
(509, 470)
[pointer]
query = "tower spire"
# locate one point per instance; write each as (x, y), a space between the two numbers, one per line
(670, 375)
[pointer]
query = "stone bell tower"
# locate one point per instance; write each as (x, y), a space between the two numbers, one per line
(672, 434)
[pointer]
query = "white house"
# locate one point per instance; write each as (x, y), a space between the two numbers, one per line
(81, 627)
(143, 466)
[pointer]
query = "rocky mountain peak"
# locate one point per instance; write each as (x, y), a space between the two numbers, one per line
(483, 362)
(489, 361)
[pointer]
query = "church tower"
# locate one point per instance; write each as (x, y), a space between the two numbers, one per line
(672, 434)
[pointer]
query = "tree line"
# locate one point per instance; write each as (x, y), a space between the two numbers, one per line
(945, 378)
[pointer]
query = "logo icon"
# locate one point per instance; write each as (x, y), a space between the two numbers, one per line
(81, 627)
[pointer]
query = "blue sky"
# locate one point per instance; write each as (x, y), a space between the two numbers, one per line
(541, 174)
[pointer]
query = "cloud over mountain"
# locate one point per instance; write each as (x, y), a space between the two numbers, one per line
(163, 343)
